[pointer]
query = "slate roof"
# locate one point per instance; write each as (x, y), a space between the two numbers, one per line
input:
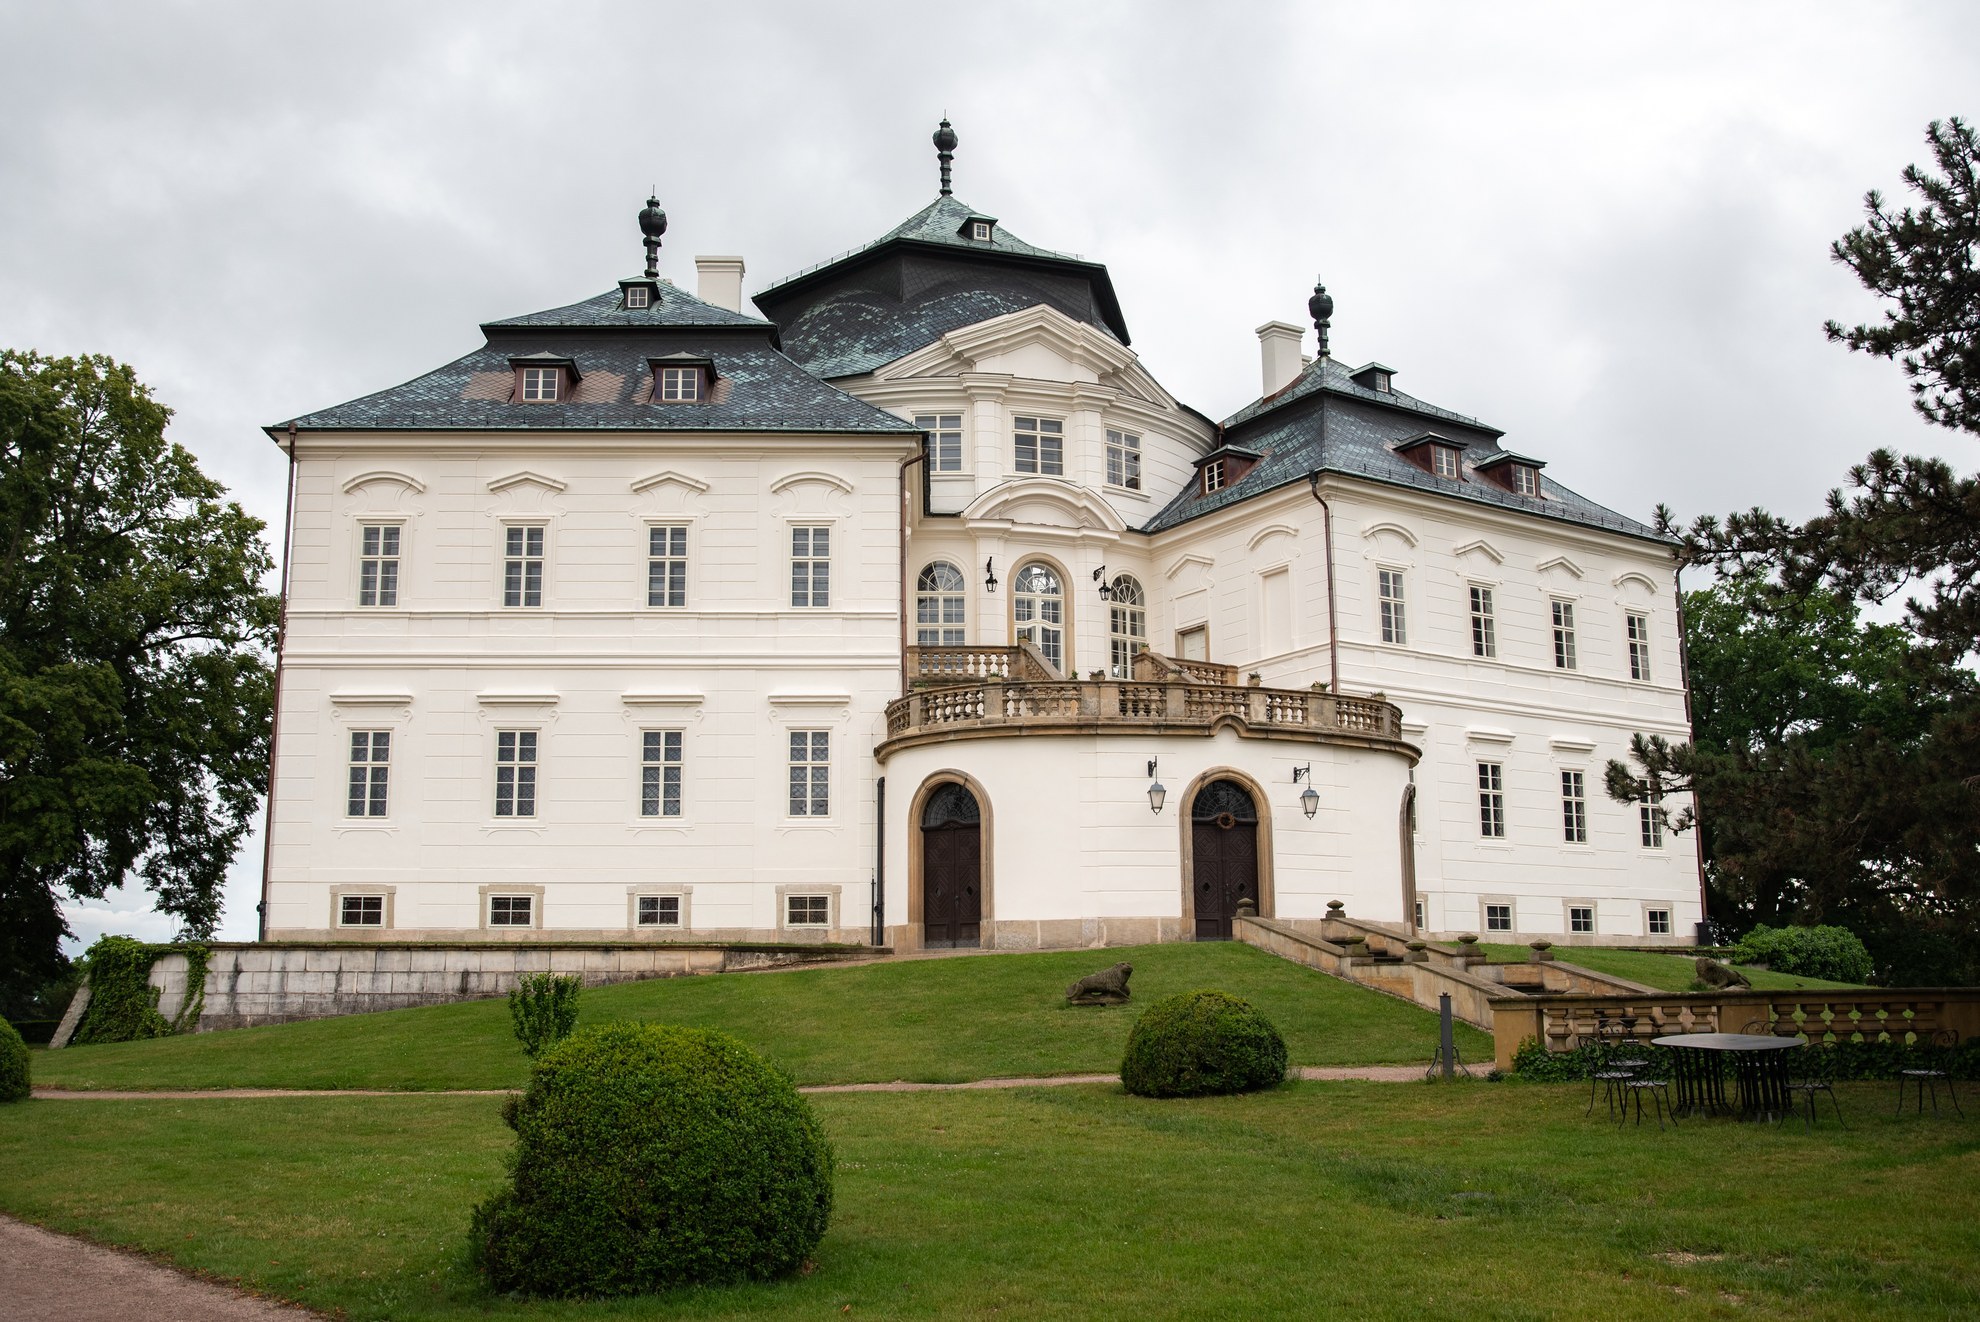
(941, 221)
(856, 332)
(1361, 428)
(757, 389)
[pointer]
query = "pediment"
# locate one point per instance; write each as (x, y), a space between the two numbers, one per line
(524, 478)
(668, 477)
(1047, 503)
(1038, 342)
(1482, 549)
(1561, 564)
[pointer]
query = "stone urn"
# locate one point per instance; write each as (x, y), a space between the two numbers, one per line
(1543, 951)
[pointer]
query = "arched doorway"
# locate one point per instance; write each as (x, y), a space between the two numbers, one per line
(951, 868)
(1223, 856)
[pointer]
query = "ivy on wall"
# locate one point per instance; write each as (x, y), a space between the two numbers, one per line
(123, 1005)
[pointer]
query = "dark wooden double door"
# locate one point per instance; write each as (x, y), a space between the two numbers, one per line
(1223, 838)
(951, 869)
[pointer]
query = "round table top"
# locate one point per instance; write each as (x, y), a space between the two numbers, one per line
(1730, 1041)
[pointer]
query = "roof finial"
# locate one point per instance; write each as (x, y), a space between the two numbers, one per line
(1321, 307)
(945, 151)
(652, 224)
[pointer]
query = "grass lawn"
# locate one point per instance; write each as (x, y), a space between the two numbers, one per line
(1403, 1201)
(930, 1020)
(1671, 973)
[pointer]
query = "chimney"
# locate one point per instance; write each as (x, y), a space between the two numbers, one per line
(1279, 356)
(718, 280)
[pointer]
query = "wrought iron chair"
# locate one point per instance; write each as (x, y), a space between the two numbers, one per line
(1658, 1088)
(1606, 1071)
(1926, 1062)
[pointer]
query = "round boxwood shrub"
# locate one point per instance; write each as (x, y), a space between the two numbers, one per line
(14, 1082)
(1834, 953)
(1202, 1043)
(650, 1156)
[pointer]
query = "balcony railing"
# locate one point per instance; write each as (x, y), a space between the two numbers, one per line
(963, 665)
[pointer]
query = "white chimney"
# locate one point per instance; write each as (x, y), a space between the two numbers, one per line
(1279, 356)
(718, 280)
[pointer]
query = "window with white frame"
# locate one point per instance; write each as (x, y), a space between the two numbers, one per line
(1636, 627)
(1657, 921)
(539, 384)
(638, 296)
(1484, 624)
(1213, 476)
(1041, 446)
(378, 564)
(371, 757)
(512, 911)
(1389, 596)
(1564, 635)
(1491, 800)
(810, 773)
(658, 911)
(811, 566)
(1574, 807)
(1581, 919)
(522, 565)
(361, 911)
(666, 565)
(807, 911)
(660, 770)
(1421, 909)
(939, 602)
(944, 440)
(1498, 918)
(1124, 460)
(979, 229)
(515, 773)
(1650, 823)
(1444, 461)
(1038, 612)
(681, 385)
(1127, 625)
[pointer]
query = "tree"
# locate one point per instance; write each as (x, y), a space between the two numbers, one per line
(135, 682)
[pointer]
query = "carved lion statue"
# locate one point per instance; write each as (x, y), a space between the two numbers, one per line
(1107, 987)
(1722, 977)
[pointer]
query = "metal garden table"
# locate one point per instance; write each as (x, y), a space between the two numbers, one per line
(1759, 1068)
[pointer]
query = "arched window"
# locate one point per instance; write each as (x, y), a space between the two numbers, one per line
(1038, 604)
(1127, 627)
(938, 606)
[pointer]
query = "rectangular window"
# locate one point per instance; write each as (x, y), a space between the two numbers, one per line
(361, 911)
(1581, 919)
(1574, 808)
(378, 565)
(1498, 918)
(540, 384)
(811, 566)
(1658, 921)
(944, 440)
(1124, 460)
(680, 385)
(515, 773)
(1213, 476)
(1443, 461)
(1422, 921)
(1389, 588)
(511, 910)
(522, 566)
(659, 911)
(371, 755)
(1193, 644)
(811, 773)
(1525, 480)
(1491, 801)
(979, 229)
(666, 566)
(638, 296)
(1564, 635)
(1637, 626)
(1041, 446)
(1650, 821)
(1484, 626)
(660, 773)
(807, 910)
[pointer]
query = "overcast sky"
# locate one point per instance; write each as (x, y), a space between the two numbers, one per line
(1603, 229)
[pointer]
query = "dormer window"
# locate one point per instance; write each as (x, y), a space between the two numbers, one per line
(1213, 476)
(1444, 461)
(1379, 381)
(979, 229)
(679, 385)
(543, 378)
(638, 296)
(1438, 455)
(1515, 472)
(540, 384)
(1374, 376)
(1523, 479)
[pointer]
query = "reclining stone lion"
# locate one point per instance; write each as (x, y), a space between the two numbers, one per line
(1720, 977)
(1107, 987)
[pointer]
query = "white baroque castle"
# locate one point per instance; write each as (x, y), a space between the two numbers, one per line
(916, 612)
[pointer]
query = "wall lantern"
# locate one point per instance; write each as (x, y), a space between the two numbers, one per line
(1309, 802)
(1100, 577)
(990, 574)
(1156, 792)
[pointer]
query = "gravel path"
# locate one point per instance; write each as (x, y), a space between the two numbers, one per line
(46, 1277)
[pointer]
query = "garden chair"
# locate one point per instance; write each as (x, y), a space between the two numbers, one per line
(1658, 1089)
(1609, 1069)
(1926, 1062)
(1812, 1069)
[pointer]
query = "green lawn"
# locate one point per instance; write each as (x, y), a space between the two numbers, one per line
(1671, 973)
(1387, 1201)
(932, 1020)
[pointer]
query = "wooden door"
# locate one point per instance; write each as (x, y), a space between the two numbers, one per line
(1223, 857)
(951, 869)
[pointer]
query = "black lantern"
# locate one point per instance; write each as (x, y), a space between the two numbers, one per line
(990, 574)
(1309, 802)
(1156, 792)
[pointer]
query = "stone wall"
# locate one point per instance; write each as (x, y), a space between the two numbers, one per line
(270, 984)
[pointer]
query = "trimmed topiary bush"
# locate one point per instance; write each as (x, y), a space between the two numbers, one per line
(1833, 953)
(15, 1084)
(1200, 1044)
(544, 1007)
(650, 1156)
